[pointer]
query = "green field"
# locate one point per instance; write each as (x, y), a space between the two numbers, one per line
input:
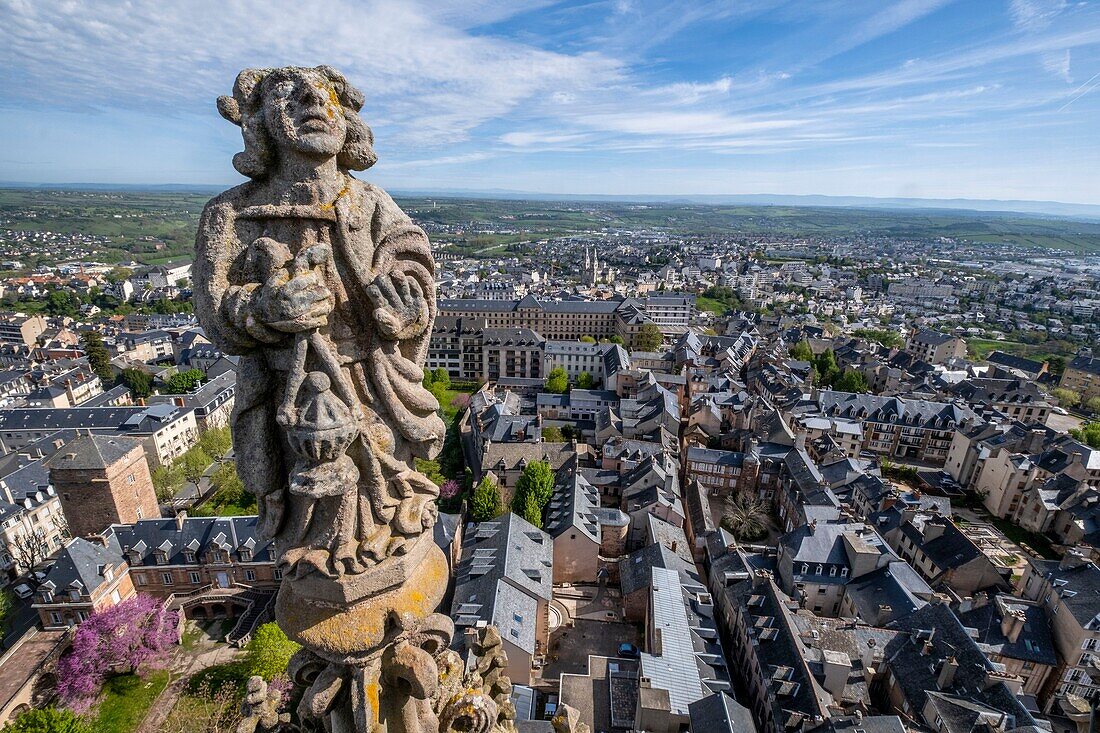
(126, 700)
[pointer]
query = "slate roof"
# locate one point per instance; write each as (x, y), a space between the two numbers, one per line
(720, 713)
(636, 569)
(895, 584)
(93, 452)
(82, 561)
(1085, 364)
(923, 413)
(573, 505)
(197, 535)
(1078, 588)
(1034, 644)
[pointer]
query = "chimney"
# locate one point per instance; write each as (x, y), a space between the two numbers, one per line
(885, 612)
(1073, 558)
(812, 526)
(1035, 440)
(837, 667)
(181, 517)
(872, 655)
(947, 673)
(800, 441)
(1012, 623)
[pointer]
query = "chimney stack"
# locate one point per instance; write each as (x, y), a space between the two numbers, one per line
(837, 667)
(1012, 623)
(947, 673)
(1073, 558)
(181, 517)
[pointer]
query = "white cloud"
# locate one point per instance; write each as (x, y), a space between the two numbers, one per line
(439, 81)
(1058, 64)
(1034, 15)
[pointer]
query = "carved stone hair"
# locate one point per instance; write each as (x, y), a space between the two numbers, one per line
(245, 109)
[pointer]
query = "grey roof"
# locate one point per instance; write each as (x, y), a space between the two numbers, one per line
(720, 713)
(923, 413)
(134, 418)
(197, 535)
(1034, 644)
(636, 569)
(573, 505)
(895, 584)
(93, 452)
(1089, 364)
(506, 568)
(1078, 588)
(716, 457)
(82, 561)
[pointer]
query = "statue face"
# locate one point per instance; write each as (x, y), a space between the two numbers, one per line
(302, 112)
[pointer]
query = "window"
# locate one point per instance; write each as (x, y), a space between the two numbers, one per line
(194, 578)
(166, 578)
(844, 572)
(162, 558)
(55, 618)
(249, 575)
(116, 597)
(246, 555)
(189, 557)
(832, 571)
(130, 479)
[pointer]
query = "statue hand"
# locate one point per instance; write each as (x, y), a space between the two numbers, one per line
(296, 304)
(399, 305)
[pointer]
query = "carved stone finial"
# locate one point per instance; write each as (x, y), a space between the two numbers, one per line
(326, 290)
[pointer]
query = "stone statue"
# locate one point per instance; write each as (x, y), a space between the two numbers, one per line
(326, 290)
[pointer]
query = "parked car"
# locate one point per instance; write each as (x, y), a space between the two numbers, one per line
(23, 590)
(628, 651)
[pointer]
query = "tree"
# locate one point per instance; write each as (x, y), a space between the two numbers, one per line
(616, 339)
(194, 463)
(138, 382)
(802, 351)
(48, 720)
(552, 435)
(851, 381)
(167, 481)
(451, 460)
(532, 512)
(587, 340)
(649, 337)
(449, 489)
(557, 381)
(7, 605)
(62, 303)
(1067, 397)
(228, 487)
(98, 358)
(889, 339)
(128, 637)
(585, 381)
(29, 548)
(826, 367)
(486, 503)
(269, 652)
(1056, 364)
(442, 378)
(746, 517)
(184, 382)
(216, 441)
(1093, 404)
(537, 482)
(1089, 434)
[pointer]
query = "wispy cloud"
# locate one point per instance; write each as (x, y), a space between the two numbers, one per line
(1035, 14)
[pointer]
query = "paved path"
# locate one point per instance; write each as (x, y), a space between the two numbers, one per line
(25, 662)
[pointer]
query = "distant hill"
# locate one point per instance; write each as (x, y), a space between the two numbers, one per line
(1034, 208)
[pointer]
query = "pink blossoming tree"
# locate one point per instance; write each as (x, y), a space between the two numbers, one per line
(449, 489)
(129, 637)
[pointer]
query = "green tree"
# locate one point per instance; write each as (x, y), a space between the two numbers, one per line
(1093, 404)
(537, 480)
(587, 340)
(746, 517)
(889, 339)
(137, 381)
(851, 381)
(585, 380)
(62, 303)
(451, 460)
(616, 339)
(1067, 397)
(826, 367)
(552, 435)
(269, 652)
(1089, 434)
(557, 381)
(228, 487)
(194, 463)
(532, 512)
(486, 503)
(7, 606)
(442, 378)
(184, 382)
(48, 720)
(167, 481)
(1056, 364)
(216, 441)
(650, 337)
(802, 351)
(98, 358)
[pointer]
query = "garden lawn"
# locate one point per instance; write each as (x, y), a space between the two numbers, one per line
(126, 700)
(1021, 536)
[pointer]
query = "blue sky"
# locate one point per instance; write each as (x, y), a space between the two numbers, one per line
(921, 98)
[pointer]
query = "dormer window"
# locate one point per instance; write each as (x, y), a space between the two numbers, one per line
(188, 556)
(246, 555)
(108, 574)
(162, 557)
(74, 594)
(47, 596)
(819, 570)
(805, 568)
(844, 572)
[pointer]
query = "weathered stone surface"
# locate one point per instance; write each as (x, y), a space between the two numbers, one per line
(326, 290)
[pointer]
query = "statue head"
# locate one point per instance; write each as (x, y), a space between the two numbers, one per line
(313, 112)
